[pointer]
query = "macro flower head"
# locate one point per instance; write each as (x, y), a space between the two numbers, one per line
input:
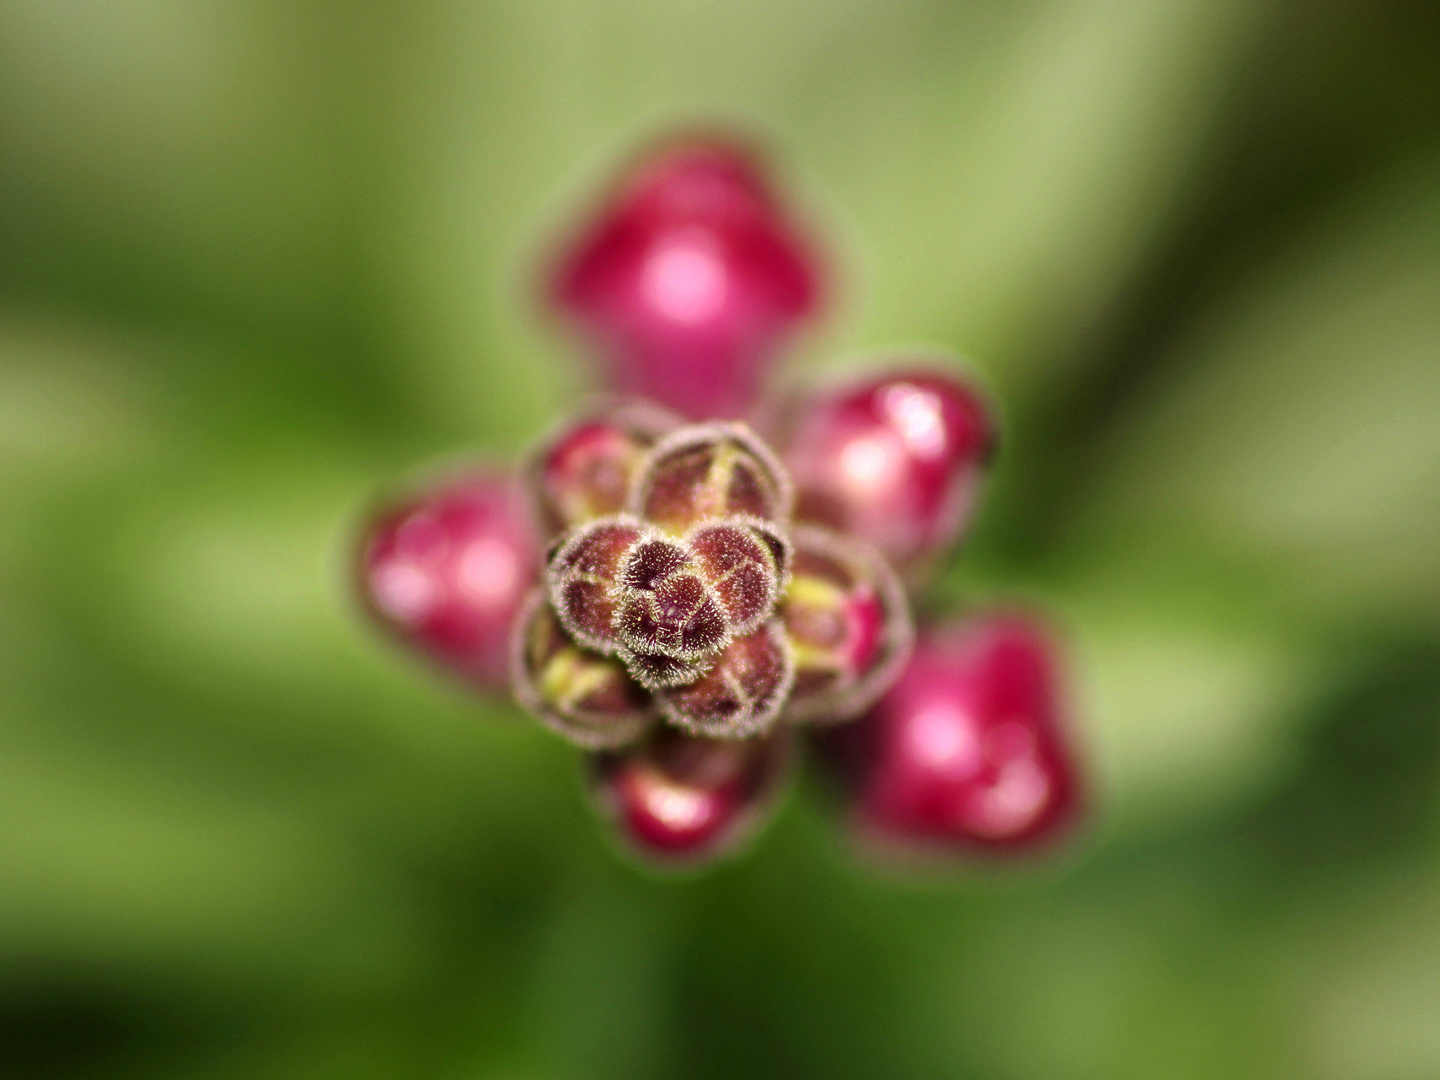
(699, 578)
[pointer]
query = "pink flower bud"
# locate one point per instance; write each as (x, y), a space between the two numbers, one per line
(849, 626)
(690, 279)
(584, 470)
(675, 799)
(448, 570)
(967, 750)
(896, 461)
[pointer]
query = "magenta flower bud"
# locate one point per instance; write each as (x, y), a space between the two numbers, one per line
(967, 750)
(896, 461)
(690, 279)
(677, 800)
(448, 570)
(848, 623)
(588, 698)
(584, 471)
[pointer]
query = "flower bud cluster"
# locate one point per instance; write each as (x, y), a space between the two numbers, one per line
(680, 600)
(695, 596)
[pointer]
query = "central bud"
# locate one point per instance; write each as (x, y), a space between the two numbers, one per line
(678, 589)
(682, 584)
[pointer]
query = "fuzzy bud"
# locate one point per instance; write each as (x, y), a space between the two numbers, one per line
(664, 607)
(584, 575)
(656, 671)
(683, 589)
(709, 471)
(588, 698)
(741, 693)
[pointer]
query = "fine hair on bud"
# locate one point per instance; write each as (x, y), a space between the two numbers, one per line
(583, 576)
(743, 691)
(708, 471)
(662, 605)
(588, 698)
(656, 671)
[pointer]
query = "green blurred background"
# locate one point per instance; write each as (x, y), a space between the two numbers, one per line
(260, 258)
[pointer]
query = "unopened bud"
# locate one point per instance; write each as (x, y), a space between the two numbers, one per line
(742, 692)
(584, 471)
(895, 461)
(678, 800)
(447, 571)
(690, 279)
(588, 698)
(968, 750)
(584, 575)
(709, 471)
(849, 626)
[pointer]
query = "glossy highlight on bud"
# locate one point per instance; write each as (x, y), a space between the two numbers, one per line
(968, 750)
(896, 461)
(675, 800)
(584, 470)
(690, 278)
(448, 569)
